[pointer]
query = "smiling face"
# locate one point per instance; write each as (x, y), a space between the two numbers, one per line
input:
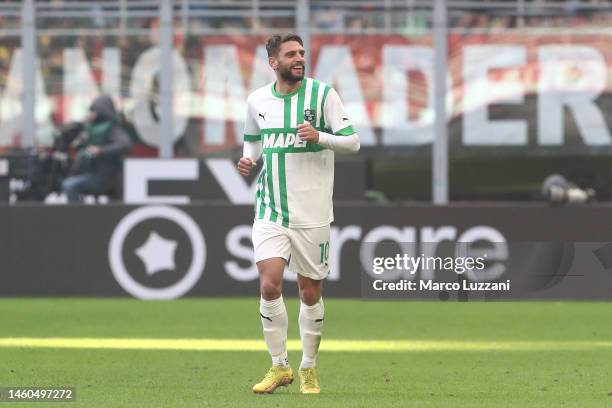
(289, 63)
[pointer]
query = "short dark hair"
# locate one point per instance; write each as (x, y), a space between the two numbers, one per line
(274, 43)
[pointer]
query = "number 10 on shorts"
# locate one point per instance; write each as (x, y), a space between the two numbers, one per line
(324, 247)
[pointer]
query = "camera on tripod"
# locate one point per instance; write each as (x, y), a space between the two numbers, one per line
(557, 190)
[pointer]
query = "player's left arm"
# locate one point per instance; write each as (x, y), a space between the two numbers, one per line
(344, 139)
(253, 148)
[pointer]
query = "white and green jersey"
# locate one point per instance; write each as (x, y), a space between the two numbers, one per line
(296, 183)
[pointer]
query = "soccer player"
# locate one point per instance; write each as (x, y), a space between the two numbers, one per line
(297, 123)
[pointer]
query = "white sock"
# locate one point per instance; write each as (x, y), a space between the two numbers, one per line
(311, 326)
(274, 321)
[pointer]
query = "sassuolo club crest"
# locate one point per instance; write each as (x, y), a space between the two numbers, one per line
(309, 115)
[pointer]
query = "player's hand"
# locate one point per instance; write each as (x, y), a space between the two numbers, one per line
(308, 133)
(245, 164)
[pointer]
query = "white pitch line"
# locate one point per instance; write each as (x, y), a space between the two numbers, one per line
(293, 345)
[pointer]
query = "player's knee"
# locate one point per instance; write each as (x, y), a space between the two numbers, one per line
(270, 290)
(309, 296)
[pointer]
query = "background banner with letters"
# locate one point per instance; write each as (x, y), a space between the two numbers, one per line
(533, 88)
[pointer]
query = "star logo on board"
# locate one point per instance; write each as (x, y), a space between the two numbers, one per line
(157, 253)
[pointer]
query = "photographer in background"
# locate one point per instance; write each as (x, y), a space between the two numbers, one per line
(99, 156)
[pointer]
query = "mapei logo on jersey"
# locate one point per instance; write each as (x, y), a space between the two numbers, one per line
(288, 139)
(310, 115)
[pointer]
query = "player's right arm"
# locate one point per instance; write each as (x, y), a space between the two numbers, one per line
(252, 148)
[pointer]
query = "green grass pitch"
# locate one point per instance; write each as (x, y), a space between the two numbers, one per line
(570, 368)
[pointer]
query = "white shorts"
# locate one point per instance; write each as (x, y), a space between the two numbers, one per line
(306, 249)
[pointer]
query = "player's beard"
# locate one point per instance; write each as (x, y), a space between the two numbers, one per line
(287, 74)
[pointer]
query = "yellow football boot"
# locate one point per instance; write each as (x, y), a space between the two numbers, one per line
(309, 384)
(276, 377)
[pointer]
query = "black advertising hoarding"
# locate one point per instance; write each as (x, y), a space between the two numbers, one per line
(162, 252)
